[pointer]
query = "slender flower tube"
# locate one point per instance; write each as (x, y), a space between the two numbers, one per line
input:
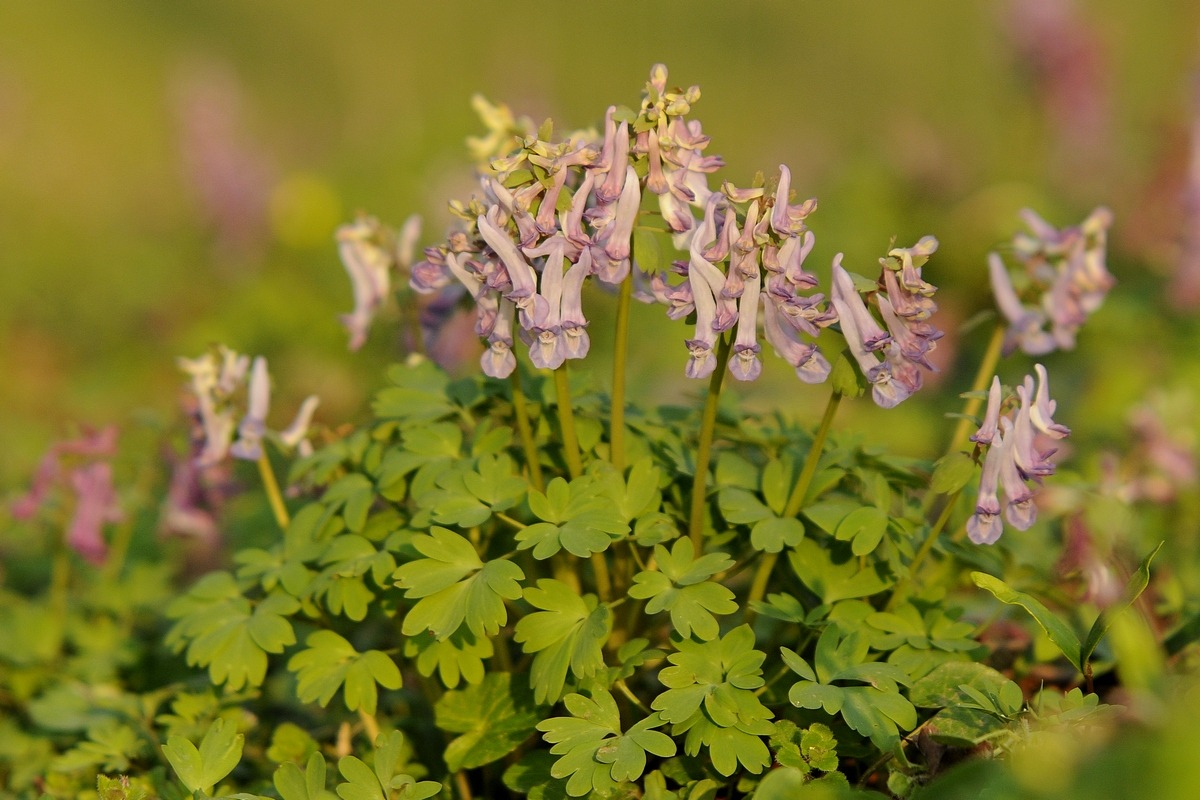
(96, 504)
(614, 257)
(1025, 325)
(498, 360)
(991, 418)
(254, 424)
(985, 525)
(1041, 413)
(368, 265)
(806, 359)
(574, 324)
(1020, 511)
(745, 364)
(547, 350)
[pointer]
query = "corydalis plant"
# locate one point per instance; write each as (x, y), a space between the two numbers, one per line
(554, 213)
(1063, 280)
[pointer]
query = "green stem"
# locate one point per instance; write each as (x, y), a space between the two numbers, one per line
(708, 424)
(273, 494)
(616, 427)
(60, 593)
(758, 588)
(525, 431)
(566, 421)
(923, 553)
(987, 368)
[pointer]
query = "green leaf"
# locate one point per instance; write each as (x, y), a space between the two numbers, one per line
(225, 632)
(1060, 633)
(419, 394)
(943, 687)
(772, 535)
(594, 753)
(1137, 584)
(292, 784)
(682, 589)
(458, 657)
(568, 633)
(578, 517)
(845, 378)
(832, 573)
(330, 661)
(648, 249)
(200, 769)
(493, 719)
(952, 472)
(740, 507)
(863, 528)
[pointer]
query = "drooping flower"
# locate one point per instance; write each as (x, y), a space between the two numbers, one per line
(864, 337)
(1066, 280)
(215, 379)
(369, 252)
(1012, 463)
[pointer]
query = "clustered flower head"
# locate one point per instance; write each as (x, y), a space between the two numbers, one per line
(90, 479)
(550, 214)
(216, 379)
(1063, 280)
(1013, 461)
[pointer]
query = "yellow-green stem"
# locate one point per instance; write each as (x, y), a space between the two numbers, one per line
(370, 725)
(566, 422)
(762, 575)
(708, 424)
(525, 431)
(271, 486)
(923, 553)
(616, 427)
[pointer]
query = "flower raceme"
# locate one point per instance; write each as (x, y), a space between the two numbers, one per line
(1063, 281)
(1012, 461)
(216, 377)
(550, 214)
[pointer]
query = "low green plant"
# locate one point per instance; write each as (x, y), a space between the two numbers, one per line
(519, 584)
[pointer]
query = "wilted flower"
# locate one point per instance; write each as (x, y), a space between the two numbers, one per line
(1064, 281)
(1013, 461)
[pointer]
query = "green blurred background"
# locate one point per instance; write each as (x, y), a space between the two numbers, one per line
(171, 174)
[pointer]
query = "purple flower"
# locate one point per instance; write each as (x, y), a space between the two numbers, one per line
(1012, 462)
(369, 264)
(810, 365)
(864, 336)
(745, 364)
(95, 505)
(985, 526)
(788, 220)
(991, 418)
(254, 424)
(547, 348)
(572, 321)
(498, 360)
(1025, 324)
(613, 259)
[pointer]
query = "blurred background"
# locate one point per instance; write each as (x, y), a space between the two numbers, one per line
(171, 175)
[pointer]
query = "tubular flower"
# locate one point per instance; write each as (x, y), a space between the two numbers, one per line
(1013, 464)
(864, 337)
(1065, 280)
(369, 252)
(215, 379)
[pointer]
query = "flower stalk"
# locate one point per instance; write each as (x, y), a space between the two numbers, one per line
(708, 424)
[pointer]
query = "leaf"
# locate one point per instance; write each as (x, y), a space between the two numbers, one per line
(740, 507)
(493, 719)
(330, 661)
(292, 784)
(594, 755)
(225, 632)
(200, 769)
(458, 657)
(952, 472)
(576, 517)
(833, 580)
(844, 378)
(1059, 632)
(568, 633)
(863, 528)
(1137, 584)
(772, 535)
(942, 688)
(449, 593)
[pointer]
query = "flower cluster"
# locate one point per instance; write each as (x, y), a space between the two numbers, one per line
(551, 214)
(905, 302)
(216, 378)
(90, 479)
(1013, 461)
(1064, 279)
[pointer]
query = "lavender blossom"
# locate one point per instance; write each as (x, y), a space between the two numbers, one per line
(368, 263)
(95, 505)
(1012, 462)
(498, 360)
(249, 443)
(864, 336)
